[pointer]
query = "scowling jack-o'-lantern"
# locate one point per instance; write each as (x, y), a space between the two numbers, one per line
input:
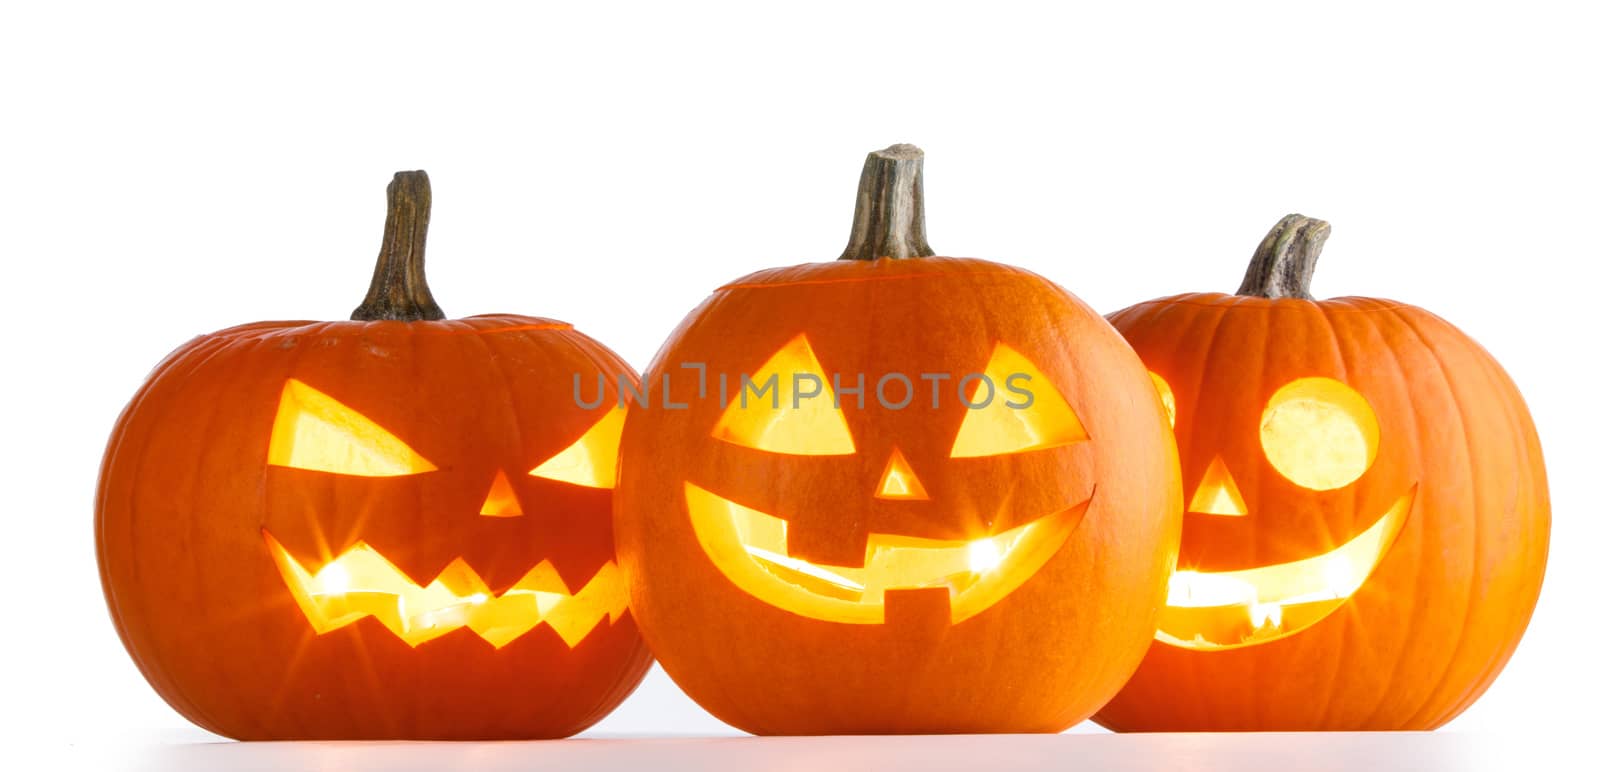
(393, 527)
(1367, 515)
(897, 492)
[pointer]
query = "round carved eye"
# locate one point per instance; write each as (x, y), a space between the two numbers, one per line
(1319, 433)
(1168, 402)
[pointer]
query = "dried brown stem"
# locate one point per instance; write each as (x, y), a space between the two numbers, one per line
(888, 222)
(399, 288)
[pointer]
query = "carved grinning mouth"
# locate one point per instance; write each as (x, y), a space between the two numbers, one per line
(360, 582)
(751, 548)
(1229, 609)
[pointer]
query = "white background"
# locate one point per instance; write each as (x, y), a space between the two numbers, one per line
(168, 171)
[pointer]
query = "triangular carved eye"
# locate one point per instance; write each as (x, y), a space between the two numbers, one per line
(785, 419)
(993, 427)
(591, 461)
(316, 432)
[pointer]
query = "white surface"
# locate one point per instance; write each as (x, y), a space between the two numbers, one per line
(169, 170)
(1376, 752)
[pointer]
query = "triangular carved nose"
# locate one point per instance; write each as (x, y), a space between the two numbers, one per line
(502, 500)
(899, 482)
(1218, 494)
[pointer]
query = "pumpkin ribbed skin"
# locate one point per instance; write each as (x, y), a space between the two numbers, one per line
(1042, 657)
(1440, 614)
(186, 492)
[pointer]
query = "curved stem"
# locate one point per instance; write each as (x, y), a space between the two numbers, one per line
(888, 221)
(1282, 265)
(399, 288)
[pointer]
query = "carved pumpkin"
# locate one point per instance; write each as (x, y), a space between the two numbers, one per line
(1368, 518)
(927, 494)
(392, 527)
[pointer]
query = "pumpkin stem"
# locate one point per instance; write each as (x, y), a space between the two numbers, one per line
(888, 220)
(399, 288)
(1283, 263)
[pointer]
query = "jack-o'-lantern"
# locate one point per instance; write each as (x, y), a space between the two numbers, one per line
(392, 527)
(1367, 514)
(897, 492)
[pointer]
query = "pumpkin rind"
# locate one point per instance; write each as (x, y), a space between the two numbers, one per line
(1041, 657)
(1442, 610)
(187, 502)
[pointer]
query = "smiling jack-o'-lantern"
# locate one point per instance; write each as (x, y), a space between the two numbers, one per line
(1368, 518)
(897, 495)
(392, 527)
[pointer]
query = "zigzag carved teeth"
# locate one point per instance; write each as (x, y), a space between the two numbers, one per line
(360, 582)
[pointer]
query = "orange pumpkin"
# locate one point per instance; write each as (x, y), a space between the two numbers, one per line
(891, 495)
(391, 527)
(1368, 517)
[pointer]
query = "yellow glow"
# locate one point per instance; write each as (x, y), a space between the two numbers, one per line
(751, 548)
(1227, 609)
(899, 482)
(1217, 493)
(1168, 402)
(984, 555)
(813, 428)
(362, 583)
(591, 461)
(1319, 433)
(996, 428)
(502, 499)
(315, 431)
(334, 579)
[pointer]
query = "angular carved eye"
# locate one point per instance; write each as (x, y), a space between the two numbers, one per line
(591, 461)
(1015, 409)
(787, 419)
(316, 432)
(1319, 433)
